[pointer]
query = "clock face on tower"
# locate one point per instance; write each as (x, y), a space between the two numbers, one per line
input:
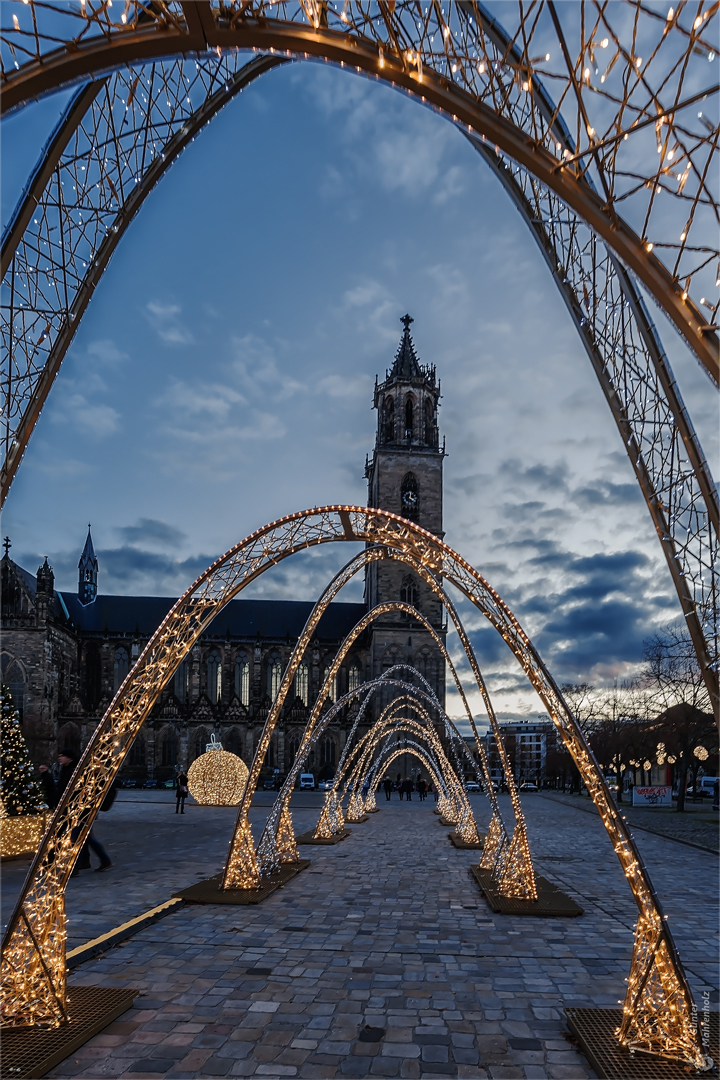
(409, 500)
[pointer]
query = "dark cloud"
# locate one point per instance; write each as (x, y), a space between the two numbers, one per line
(149, 530)
(605, 493)
(552, 478)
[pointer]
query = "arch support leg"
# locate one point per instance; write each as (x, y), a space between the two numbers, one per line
(516, 875)
(657, 1015)
(242, 870)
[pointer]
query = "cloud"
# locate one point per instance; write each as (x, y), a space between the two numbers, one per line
(346, 386)
(255, 366)
(90, 417)
(106, 352)
(152, 530)
(212, 400)
(165, 321)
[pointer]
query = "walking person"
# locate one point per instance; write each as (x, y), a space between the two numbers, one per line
(399, 787)
(54, 790)
(181, 792)
(408, 785)
(388, 786)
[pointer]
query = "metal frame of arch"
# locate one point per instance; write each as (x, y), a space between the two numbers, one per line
(658, 1016)
(118, 138)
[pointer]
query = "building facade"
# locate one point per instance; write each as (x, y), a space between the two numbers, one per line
(64, 654)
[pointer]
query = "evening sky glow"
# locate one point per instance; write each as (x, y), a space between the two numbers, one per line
(223, 376)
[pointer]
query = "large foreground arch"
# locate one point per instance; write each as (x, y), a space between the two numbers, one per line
(123, 131)
(658, 1016)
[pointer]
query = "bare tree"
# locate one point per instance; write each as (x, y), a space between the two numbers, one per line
(677, 691)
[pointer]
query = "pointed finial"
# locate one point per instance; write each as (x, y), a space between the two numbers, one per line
(406, 320)
(6, 544)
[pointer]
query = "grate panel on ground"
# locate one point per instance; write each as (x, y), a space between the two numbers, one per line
(30, 1052)
(209, 890)
(458, 842)
(595, 1031)
(309, 838)
(550, 901)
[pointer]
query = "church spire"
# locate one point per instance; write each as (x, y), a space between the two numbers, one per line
(88, 572)
(406, 364)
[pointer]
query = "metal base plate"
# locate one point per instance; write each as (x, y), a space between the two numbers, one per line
(357, 821)
(29, 1052)
(458, 842)
(595, 1030)
(209, 891)
(446, 822)
(309, 838)
(550, 901)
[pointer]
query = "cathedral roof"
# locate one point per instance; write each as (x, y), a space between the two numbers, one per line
(406, 364)
(274, 619)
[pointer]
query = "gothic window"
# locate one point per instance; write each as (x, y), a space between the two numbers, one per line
(93, 676)
(181, 682)
(408, 418)
(332, 692)
(275, 674)
(426, 665)
(327, 753)
(169, 752)
(137, 756)
(121, 666)
(270, 755)
(214, 677)
(242, 679)
(389, 419)
(232, 742)
(302, 683)
(353, 678)
(409, 497)
(409, 591)
(429, 423)
(291, 748)
(14, 678)
(201, 740)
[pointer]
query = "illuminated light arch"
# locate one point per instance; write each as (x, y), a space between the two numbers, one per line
(242, 868)
(488, 86)
(658, 1016)
(458, 809)
(416, 751)
(277, 842)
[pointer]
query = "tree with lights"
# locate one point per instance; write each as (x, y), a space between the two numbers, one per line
(21, 794)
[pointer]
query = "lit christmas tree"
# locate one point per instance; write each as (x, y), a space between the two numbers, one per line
(20, 792)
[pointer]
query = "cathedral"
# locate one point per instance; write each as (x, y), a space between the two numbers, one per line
(65, 654)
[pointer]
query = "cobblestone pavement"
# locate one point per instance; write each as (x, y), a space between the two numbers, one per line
(699, 824)
(385, 930)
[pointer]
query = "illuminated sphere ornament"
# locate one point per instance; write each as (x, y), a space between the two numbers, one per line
(217, 777)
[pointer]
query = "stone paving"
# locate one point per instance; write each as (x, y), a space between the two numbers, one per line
(699, 824)
(381, 959)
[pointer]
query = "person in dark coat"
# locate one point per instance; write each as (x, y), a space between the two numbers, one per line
(388, 785)
(399, 787)
(54, 790)
(181, 792)
(422, 789)
(408, 787)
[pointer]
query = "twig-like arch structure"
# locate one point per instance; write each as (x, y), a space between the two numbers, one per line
(123, 130)
(658, 1012)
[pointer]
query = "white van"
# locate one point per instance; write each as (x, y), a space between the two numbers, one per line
(307, 780)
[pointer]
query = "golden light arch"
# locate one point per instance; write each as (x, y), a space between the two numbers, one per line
(658, 1014)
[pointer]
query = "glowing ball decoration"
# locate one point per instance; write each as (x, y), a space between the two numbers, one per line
(217, 777)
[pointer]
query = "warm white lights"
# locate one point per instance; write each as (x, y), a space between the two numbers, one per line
(217, 778)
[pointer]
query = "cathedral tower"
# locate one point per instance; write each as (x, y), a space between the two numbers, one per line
(87, 573)
(405, 476)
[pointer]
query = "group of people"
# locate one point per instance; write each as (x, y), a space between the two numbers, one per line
(406, 787)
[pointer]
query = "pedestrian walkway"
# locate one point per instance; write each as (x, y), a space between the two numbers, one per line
(382, 959)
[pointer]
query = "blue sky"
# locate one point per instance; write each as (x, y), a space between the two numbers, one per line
(223, 374)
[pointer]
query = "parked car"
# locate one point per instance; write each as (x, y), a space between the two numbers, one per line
(270, 784)
(529, 787)
(128, 783)
(326, 785)
(169, 784)
(472, 785)
(307, 781)
(151, 783)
